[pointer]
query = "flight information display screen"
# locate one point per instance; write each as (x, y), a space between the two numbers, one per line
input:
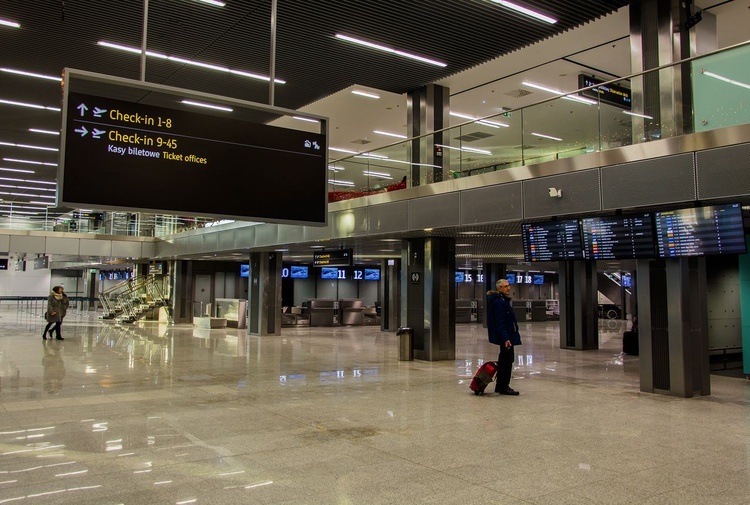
(552, 241)
(618, 237)
(717, 229)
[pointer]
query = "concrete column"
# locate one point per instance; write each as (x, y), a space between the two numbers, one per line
(672, 326)
(579, 325)
(264, 294)
(427, 111)
(428, 293)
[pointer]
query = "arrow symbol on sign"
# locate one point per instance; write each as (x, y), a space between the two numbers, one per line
(82, 108)
(97, 132)
(82, 130)
(98, 112)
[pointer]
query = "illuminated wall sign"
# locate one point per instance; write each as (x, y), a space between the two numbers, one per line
(132, 145)
(3, 264)
(335, 258)
(613, 94)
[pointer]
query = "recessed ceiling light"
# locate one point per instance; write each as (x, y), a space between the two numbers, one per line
(309, 120)
(213, 2)
(218, 68)
(389, 134)
(347, 151)
(26, 146)
(471, 233)
(377, 174)
(15, 160)
(29, 105)
(48, 132)
(546, 136)
(207, 105)
(340, 183)
(575, 98)
(630, 113)
(526, 11)
(390, 50)
(31, 74)
(365, 94)
(486, 122)
(12, 24)
(725, 79)
(17, 170)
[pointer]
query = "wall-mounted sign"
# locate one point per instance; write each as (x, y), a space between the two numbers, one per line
(613, 94)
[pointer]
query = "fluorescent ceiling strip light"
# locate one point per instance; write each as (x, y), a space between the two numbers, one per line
(219, 68)
(25, 194)
(17, 170)
(398, 136)
(365, 93)
(372, 155)
(31, 181)
(575, 98)
(31, 74)
(25, 187)
(493, 124)
(467, 149)
(309, 120)
(629, 113)
(526, 11)
(12, 24)
(26, 146)
(12, 211)
(410, 163)
(29, 105)
(340, 183)
(335, 169)
(48, 204)
(546, 136)
(377, 174)
(48, 132)
(725, 79)
(391, 50)
(213, 2)
(338, 150)
(207, 105)
(15, 160)
(15, 205)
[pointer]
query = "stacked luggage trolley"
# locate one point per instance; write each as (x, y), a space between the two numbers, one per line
(131, 300)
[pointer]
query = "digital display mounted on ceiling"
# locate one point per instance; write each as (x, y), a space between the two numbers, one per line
(137, 146)
(717, 229)
(552, 241)
(334, 258)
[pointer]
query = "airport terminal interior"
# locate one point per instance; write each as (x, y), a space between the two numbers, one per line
(277, 225)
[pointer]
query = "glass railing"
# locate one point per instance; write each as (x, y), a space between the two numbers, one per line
(591, 119)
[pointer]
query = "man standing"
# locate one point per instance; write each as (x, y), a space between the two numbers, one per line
(503, 331)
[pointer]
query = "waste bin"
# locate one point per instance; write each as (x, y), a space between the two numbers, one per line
(405, 339)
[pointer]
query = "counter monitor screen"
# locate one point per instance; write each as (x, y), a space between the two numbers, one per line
(244, 270)
(372, 274)
(552, 241)
(459, 276)
(538, 279)
(329, 273)
(618, 237)
(511, 278)
(298, 272)
(717, 229)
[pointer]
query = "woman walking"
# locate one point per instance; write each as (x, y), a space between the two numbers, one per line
(54, 313)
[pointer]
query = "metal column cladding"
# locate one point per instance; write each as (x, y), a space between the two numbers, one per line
(427, 111)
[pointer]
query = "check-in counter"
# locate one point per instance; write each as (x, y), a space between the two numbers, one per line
(530, 310)
(322, 312)
(351, 312)
(469, 311)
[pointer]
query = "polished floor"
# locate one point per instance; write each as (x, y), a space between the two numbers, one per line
(152, 414)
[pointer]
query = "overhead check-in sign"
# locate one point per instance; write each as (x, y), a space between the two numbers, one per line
(335, 258)
(132, 145)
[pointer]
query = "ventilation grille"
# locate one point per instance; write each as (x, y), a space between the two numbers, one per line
(472, 137)
(518, 93)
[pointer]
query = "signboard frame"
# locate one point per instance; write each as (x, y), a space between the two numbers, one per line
(314, 200)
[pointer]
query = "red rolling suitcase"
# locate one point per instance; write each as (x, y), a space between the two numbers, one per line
(484, 376)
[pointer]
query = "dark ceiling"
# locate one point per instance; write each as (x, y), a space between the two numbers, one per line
(314, 64)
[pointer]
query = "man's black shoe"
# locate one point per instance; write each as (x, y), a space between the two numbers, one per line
(508, 391)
